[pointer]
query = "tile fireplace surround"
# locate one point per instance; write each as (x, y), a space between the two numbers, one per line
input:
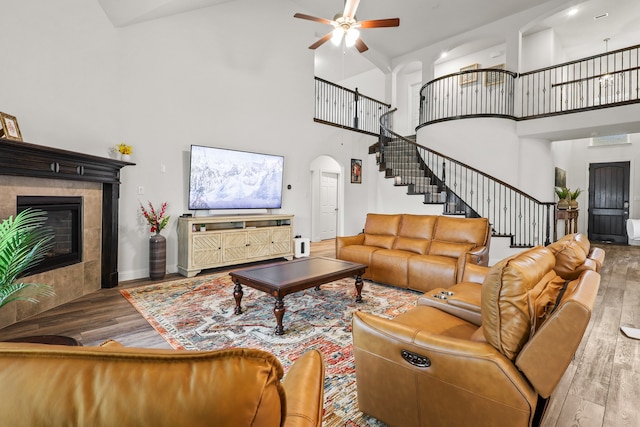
(33, 170)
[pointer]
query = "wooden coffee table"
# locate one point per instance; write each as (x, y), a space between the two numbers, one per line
(284, 278)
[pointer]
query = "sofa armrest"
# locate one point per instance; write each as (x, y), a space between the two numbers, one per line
(343, 241)
(597, 255)
(304, 389)
(474, 273)
(478, 255)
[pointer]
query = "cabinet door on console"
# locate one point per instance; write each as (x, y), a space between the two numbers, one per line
(281, 241)
(235, 246)
(206, 250)
(259, 243)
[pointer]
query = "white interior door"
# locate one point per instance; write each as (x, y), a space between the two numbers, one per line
(328, 205)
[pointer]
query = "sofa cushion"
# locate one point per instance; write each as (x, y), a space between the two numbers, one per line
(379, 241)
(360, 254)
(583, 241)
(428, 272)
(417, 226)
(380, 230)
(418, 246)
(390, 266)
(382, 224)
(569, 258)
(506, 315)
(467, 230)
(449, 249)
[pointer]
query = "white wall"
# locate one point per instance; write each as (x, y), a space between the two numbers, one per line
(75, 82)
(485, 58)
(538, 50)
(59, 74)
(370, 83)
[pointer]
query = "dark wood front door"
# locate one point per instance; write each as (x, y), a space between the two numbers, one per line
(608, 201)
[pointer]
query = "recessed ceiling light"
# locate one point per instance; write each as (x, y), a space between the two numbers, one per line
(572, 11)
(443, 55)
(604, 15)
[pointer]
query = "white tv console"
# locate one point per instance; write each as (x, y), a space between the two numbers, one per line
(231, 240)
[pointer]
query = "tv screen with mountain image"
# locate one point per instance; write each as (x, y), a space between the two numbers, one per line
(229, 179)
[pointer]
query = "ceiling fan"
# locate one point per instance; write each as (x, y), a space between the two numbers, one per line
(346, 26)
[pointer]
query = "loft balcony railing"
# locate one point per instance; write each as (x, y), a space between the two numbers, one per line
(600, 81)
(348, 109)
(464, 190)
(473, 93)
(605, 80)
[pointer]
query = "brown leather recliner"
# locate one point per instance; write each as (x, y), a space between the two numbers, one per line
(50, 385)
(573, 255)
(430, 368)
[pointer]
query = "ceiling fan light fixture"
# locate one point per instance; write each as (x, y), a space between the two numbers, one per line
(351, 36)
(336, 36)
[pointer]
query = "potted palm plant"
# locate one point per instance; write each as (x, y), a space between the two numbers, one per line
(573, 203)
(24, 242)
(564, 195)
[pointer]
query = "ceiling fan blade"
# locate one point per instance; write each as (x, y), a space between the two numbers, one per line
(378, 23)
(313, 18)
(350, 7)
(361, 46)
(321, 41)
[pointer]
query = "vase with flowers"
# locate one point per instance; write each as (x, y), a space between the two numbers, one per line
(125, 151)
(157, 220)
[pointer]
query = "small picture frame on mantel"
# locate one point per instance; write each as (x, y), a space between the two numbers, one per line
(9, 127)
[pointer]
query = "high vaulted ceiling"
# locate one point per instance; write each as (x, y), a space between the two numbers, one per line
(425, 22)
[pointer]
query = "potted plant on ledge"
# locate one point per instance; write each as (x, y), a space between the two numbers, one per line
(24, 242)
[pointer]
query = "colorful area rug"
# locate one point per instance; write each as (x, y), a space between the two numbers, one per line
(198, 314)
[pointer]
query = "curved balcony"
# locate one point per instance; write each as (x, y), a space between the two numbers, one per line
(600, 81)
(487, 92)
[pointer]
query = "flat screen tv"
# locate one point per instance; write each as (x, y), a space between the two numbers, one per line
(229, 179)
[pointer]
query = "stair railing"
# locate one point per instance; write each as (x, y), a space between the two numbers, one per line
(463, 189)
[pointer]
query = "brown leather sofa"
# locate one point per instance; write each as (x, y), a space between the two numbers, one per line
(573, 255)
(430, 368)
(419, 252)
(51, 385)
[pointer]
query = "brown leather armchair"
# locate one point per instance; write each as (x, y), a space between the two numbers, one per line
(573, 255)
(430, 368)
(50, 385)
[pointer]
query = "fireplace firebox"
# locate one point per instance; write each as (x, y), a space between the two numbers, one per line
(64, 217)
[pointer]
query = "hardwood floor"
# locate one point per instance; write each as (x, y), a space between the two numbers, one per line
(598, 388)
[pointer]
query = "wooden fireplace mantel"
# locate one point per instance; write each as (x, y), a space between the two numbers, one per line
(37, 161)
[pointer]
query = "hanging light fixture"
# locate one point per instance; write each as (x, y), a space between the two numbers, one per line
(606, 79)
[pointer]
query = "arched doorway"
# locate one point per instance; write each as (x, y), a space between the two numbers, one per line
(326, 198)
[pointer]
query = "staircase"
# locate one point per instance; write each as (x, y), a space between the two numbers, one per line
(463, 190)
(403, 164)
